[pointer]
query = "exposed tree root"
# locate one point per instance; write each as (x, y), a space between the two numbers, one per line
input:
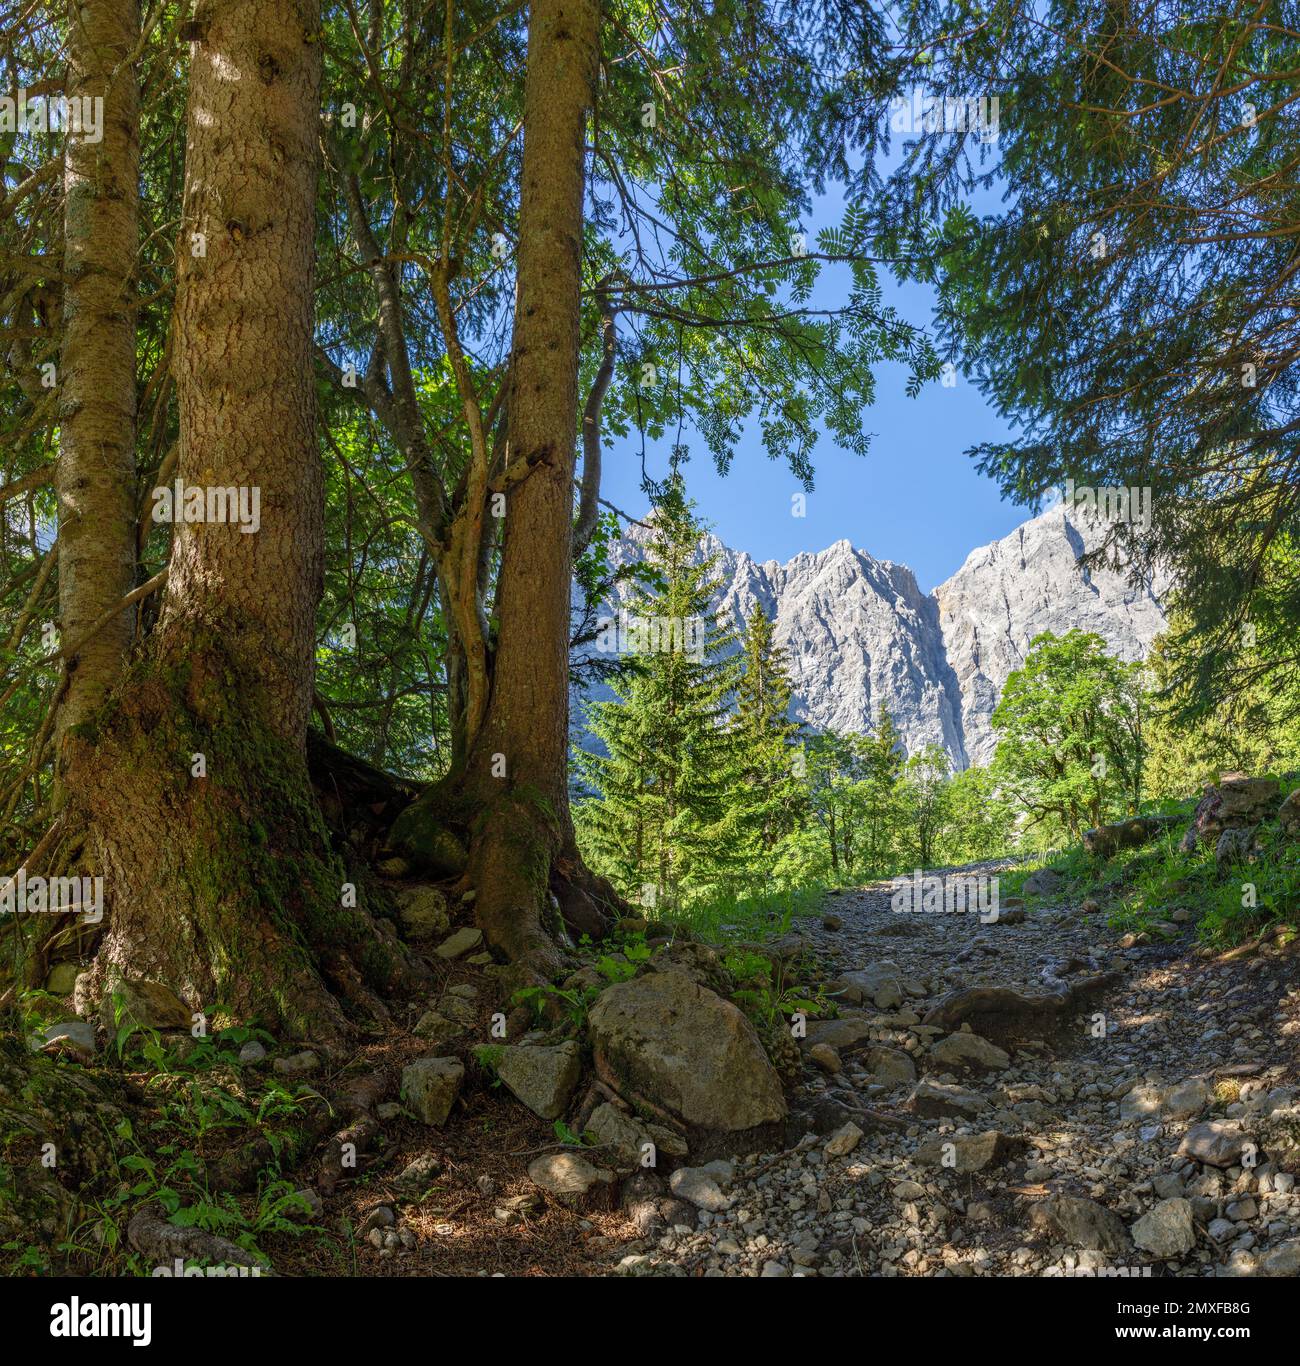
(221, 878)
(162, 1243)
(1001, 1011)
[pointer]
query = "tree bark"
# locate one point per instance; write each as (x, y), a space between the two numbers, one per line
(95, 476)
(519, 759)
(220, 878)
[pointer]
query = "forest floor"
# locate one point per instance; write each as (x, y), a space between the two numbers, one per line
(1065, 1132)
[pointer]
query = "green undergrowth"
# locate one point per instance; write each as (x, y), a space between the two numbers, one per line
(194, 1104)
(1140, 890)
(726, 915)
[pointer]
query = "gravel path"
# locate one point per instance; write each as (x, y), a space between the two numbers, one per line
(1045, 1148)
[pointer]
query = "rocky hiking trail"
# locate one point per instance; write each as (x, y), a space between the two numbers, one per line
(1166, 1143)
(1036, 1096)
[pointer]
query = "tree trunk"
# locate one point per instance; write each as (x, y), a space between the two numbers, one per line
(219, 874)
(518, 764)
(96, 465)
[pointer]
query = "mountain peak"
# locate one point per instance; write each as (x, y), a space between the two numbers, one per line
(860, 634)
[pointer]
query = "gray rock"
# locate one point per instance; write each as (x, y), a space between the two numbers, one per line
(436, 1028)
(62, 978)
(78, 1034)
(423, 911)
(621, 1137)
(942, 1100)
(1140, 1103)
(684, 1048)
(969, 1052)
(843, 1141)
(462, 941)
(1186, 1100)
(1283, 1260)
(572, 1180)
(826, 1057)
(1044, 882)
(1182, 1101)
(307, 1207)
(430, 1087)
(1082, 1223)
(1214, 1143)
(967, 1152)
(146, 1005)
(252, 1052)
(296, 1065)
(845, 1033)
(1166, 1229)
(881, 984)
(890, 1066)
(543, 1078)
(698, 1186)
(419, 1173)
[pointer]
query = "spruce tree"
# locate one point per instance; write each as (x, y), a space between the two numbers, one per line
(881, 808)
(665, 822)
(772, 794)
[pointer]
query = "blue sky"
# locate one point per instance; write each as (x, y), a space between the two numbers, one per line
(915, 499)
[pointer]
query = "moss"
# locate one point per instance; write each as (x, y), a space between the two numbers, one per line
(251, 847)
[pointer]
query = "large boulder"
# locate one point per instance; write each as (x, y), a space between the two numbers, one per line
(665, 1039)
(1234, 802)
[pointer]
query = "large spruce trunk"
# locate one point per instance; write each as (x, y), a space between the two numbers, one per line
(220, 878)
(518, 760)
(511, 792)
(96, 466)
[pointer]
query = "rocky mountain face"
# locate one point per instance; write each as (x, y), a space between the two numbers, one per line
(860, 633)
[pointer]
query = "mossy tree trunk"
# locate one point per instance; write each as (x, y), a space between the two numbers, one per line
(193, 786)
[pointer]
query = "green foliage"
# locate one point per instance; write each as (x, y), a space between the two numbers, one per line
(774, 797)
(1069, 724)
(1252, 731)
(727, 913)
(198, 1106)
(664, 819)
(1122, 302)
